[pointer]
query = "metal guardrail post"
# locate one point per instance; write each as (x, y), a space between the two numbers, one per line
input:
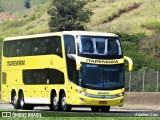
(143, 81)
(157, 80)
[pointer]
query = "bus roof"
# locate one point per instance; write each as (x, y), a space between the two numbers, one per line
(90, 33)
(86, 33)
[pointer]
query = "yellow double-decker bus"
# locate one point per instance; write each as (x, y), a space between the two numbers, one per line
(64, 69)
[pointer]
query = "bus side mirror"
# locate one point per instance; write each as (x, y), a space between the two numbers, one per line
(130, 63)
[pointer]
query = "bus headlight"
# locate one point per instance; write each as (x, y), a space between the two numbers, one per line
(81, 92)
(120, 94)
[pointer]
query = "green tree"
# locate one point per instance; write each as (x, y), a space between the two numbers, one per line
(27, 4)
(68, 15)
(1, 9)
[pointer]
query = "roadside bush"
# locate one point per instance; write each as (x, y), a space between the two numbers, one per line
(130, 44)
(131, 38)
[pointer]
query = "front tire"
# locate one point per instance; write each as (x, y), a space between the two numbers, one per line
(64, 106)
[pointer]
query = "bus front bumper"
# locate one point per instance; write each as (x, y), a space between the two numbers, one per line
(88, 101)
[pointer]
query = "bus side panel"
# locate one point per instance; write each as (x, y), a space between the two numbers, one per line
(11, 80)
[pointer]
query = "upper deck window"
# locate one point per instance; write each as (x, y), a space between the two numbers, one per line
(33, 47)
(99, 45)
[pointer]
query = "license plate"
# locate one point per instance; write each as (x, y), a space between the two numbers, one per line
(102, 102)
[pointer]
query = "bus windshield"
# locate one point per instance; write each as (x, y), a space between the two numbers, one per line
(99, 45)
(102, 76)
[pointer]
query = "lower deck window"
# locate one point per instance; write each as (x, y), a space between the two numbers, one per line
(43, 76)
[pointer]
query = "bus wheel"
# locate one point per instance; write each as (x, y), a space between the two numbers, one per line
(15, 101)
(21, 101)
(64, 106)
(54, 103)
(105, 109)
(95, 109)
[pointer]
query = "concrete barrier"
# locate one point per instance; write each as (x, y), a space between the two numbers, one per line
(142, 100)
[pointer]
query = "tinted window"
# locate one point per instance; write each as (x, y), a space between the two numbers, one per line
(5, 49)
(18, 45)
(4, 77)
(8, 49)
(27, 44)
(47, 46)
(87, 45)
(69, 44)
(113, 47)
(71, 64)
(94, 45)
(36, 47)
(28, 77)
(32, 47)
(102, 76)
(55, 76)
(57, 46)
(43, 76)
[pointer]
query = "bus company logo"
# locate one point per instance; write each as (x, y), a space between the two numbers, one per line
(102, 61)
(16, 63)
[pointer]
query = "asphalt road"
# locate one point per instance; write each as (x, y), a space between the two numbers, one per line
(5, 106)
(114, 111)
